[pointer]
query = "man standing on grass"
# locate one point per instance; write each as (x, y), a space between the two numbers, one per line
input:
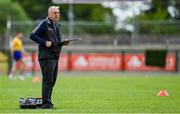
(47, 35)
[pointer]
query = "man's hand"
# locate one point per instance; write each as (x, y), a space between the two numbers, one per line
(66, 42)
(48, 43)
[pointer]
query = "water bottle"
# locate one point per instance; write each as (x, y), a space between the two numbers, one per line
(33, 101)
(21, 100)
(28, 100)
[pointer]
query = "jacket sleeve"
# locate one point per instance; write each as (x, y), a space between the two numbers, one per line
(38, 30)
(61, 44)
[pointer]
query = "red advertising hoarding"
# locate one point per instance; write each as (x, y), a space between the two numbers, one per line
(101, 62)
(136, 62)
(64, 62)
(95, 61)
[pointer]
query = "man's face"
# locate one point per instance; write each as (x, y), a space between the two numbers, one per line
(54, 14)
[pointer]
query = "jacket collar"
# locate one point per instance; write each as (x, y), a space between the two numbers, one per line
(49, 21)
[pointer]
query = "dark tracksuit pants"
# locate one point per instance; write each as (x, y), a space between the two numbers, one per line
(49, 69)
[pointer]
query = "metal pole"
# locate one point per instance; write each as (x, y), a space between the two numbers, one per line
(71, 19)
(135, 33)
(8, 26)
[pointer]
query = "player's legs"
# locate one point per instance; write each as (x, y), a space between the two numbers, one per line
(13, 70)
(21, 69)
(17, 60)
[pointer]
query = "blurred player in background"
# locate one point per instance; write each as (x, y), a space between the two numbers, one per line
(16, 48)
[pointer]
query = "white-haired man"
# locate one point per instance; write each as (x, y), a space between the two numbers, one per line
(47, 35)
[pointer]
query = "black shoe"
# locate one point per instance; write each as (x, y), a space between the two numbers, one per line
(47, 106)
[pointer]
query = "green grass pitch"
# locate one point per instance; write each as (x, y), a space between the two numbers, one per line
(98, 93)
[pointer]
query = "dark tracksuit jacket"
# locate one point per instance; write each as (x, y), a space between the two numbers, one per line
(48, 56)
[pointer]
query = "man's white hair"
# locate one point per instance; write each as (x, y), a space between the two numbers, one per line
(52, 7)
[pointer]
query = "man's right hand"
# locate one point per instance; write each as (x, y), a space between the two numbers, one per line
(48, 43)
